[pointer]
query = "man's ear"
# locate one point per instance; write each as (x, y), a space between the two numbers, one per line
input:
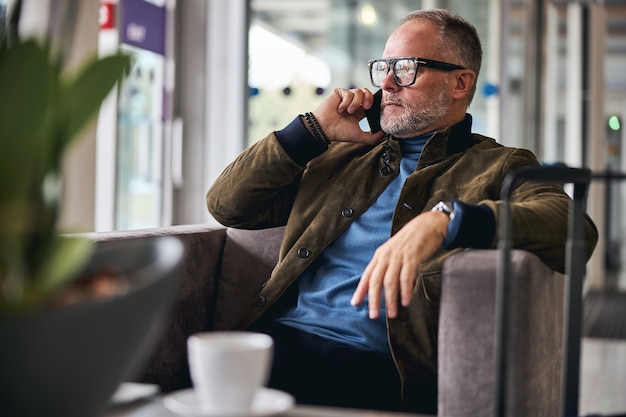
(465, 79)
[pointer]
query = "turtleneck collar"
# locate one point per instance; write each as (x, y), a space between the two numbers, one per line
(412, 147)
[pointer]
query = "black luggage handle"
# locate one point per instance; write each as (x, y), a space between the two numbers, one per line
(575, 265)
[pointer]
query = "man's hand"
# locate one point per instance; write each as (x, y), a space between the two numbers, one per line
(395, 264)
(339, 115)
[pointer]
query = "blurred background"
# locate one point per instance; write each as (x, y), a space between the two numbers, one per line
(211, 77)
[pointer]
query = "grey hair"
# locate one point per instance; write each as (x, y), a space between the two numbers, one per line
(458, 41)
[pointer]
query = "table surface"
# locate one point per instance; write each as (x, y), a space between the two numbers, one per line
(154, 408)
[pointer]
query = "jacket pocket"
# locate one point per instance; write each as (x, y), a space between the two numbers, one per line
(431, 290)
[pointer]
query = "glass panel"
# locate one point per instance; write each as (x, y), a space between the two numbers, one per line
(139, 143)
(611, 26)
(615, 108)
(3, 15)
(600, 28)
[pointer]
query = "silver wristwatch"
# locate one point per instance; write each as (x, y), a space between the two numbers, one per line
(446, 207)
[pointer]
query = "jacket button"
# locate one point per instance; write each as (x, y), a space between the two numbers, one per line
(260, 302)
(385, 171)
(304, 253)
(347, 212)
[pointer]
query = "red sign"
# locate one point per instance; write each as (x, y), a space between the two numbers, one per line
(107, 15)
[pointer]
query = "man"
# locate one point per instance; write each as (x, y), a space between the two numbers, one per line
(354, 311)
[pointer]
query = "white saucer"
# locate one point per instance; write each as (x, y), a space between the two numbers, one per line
(128, 392)
(267, 402)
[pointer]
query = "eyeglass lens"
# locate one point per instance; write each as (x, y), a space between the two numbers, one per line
(403, 69)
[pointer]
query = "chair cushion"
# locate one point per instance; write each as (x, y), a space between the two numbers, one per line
(247, 262)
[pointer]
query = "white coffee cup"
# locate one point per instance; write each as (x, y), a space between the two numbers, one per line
(228, 368)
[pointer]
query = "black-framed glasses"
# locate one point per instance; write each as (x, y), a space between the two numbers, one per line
(404, 69)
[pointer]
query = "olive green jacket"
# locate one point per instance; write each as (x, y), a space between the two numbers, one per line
(264, 187)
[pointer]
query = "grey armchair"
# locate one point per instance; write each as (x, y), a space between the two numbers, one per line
(224, 268)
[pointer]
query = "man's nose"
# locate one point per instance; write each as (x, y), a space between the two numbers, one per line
(389, 82)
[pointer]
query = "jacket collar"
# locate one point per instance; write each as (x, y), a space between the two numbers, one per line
(459, 136)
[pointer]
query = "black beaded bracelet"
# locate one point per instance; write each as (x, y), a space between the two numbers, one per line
(318, 132)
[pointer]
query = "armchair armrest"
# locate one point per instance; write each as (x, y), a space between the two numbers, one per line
(467, 335)
(222, 272)
(247, 262)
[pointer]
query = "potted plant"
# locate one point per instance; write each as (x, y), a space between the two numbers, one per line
(72, 318)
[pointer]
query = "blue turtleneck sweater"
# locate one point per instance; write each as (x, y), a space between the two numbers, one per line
(326, 287)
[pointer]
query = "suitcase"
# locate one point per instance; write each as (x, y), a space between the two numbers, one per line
(575, 267)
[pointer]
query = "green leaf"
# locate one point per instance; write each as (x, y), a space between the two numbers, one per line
(25, 78)
(85, 95)
(67, 255)
(39, 115)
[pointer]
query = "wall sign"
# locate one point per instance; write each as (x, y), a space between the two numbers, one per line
(143, 25)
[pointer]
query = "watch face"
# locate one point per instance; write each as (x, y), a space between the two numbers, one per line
(444, 207)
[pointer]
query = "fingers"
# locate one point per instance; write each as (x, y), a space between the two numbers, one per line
(390, 284)
(361, 289)
(407, 283)
(397, 279)
(389, 276)
(339, 115)
(371, 285)
(354, 100)
(394, 267)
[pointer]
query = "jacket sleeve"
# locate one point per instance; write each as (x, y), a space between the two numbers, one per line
(539, 214)
(258, 188)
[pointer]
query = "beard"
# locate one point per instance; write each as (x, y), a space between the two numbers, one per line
(417, 117)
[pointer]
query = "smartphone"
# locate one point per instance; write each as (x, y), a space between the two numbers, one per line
(373, 113)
